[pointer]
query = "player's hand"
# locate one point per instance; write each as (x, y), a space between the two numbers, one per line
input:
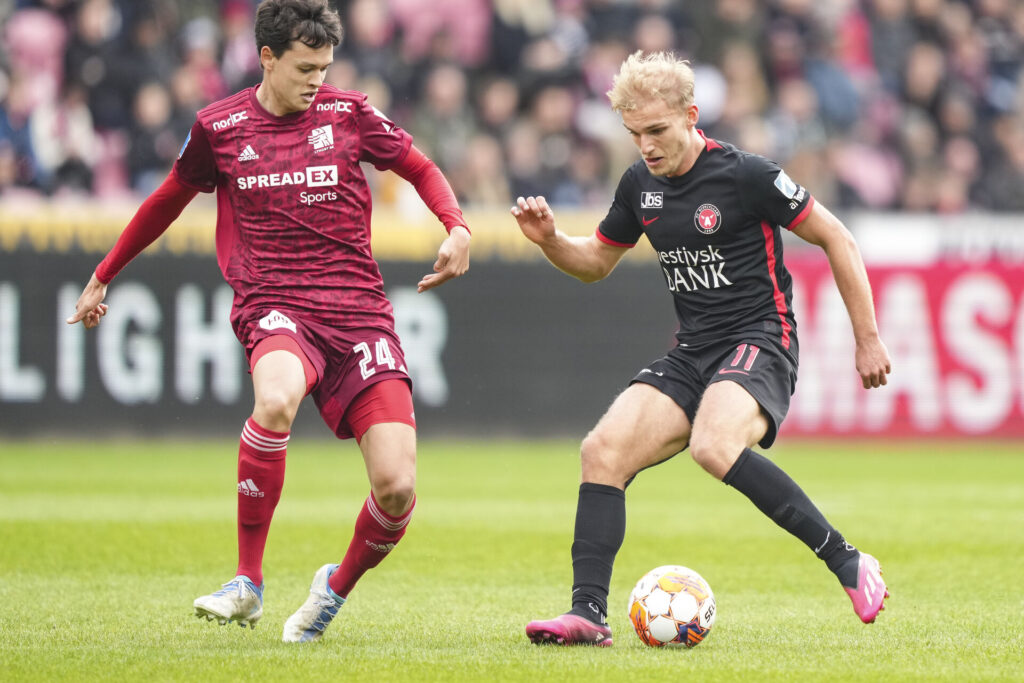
(873, 362)
(452, 259)
(90, 307)
(535, 218)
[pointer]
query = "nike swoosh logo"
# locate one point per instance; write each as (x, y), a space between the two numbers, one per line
(648, 222)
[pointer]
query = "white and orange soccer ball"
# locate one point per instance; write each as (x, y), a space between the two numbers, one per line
(672, 605)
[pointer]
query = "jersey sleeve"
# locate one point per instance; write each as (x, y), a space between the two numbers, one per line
(432, 187)
(770, 194)
(384, 143)
(620, 227)
(195, 167)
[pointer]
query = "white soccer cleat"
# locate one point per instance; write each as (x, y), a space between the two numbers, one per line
(309, 622)
(238, 600)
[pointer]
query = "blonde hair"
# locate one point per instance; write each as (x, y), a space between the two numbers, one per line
(657, 75)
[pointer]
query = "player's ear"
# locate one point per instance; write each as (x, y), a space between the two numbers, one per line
(266, 57)
(692, 115)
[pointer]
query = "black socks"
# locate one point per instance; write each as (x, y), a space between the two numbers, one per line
(600, 528)
(780, 498)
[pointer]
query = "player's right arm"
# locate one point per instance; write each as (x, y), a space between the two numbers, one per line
(586, 258)
(194, 171)
(150, 221)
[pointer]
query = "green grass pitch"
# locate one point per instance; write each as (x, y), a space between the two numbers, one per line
(103, 547)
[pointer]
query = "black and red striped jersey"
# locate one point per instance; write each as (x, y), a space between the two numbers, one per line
(716, 231)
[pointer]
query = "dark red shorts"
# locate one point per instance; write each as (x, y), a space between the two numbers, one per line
(346, 363)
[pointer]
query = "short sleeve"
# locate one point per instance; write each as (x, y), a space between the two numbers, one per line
(384, 144)
(620, 227)
(195, 167)
(771, 194)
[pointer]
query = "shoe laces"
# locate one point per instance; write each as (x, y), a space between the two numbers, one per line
(237, 585)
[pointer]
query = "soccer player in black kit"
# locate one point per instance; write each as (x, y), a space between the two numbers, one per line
(713, 214)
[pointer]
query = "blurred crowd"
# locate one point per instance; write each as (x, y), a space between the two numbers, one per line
(914, 105)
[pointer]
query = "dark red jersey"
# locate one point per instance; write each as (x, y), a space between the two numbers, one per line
(293, 205)
(716, 232)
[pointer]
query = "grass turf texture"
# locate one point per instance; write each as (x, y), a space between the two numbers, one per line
(104, 546)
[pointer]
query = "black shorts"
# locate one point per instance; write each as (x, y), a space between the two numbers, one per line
(753, 361)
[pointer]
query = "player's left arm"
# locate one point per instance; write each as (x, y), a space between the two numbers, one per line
(433, 188)
(822, 228)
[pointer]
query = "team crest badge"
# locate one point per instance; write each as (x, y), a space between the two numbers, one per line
(707, 218)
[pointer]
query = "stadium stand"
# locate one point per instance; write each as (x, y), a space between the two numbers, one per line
(906, 105)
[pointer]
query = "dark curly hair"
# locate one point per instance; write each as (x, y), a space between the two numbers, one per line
(279, 22)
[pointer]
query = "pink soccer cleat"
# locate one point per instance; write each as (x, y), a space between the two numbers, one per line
(569, 629)
(869, 595)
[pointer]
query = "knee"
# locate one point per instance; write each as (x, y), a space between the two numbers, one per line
(278, 408)
(395, 495)
(600, 460)
(715, 455)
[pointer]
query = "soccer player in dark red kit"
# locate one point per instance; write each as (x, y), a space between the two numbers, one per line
(293, 241)
(713, 214)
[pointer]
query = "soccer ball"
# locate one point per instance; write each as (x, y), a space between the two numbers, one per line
(672, 605)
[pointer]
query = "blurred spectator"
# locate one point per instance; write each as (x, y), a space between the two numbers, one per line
(480, 179)
(443, 123)
(16, 135)
(92, 61)
(65, 143)
(153, 143)
(240, 63)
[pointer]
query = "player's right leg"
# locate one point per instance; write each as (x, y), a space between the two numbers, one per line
(381, 419)
(280, 380)
(642, 427)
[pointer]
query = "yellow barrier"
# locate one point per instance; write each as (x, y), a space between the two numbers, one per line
(397, 235)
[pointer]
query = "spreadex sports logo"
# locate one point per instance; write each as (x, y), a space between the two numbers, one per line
(311, 176)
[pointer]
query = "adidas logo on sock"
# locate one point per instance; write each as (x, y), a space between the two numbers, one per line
(248, 154)
(249, 488)
(384, 548)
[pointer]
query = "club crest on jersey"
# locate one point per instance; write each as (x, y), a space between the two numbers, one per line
(651, 200)
(707, 218)
(321, 138)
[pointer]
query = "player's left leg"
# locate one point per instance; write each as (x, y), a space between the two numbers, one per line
(281, 377)
(641, 428)
(730, 421)
(381, 418)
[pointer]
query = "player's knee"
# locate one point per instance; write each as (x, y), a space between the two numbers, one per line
(714, 454)
(396, 494)
(600, 460)
(277, 406)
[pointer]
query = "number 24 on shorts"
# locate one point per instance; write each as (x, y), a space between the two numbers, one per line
(383, 354)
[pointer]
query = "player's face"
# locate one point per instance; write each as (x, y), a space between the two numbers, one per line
(291, 81)
(664, 135)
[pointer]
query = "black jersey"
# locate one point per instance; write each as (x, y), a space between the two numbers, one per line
(716, 232)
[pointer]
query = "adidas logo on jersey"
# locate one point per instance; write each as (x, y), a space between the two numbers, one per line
(248, 154)
(249, 488)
